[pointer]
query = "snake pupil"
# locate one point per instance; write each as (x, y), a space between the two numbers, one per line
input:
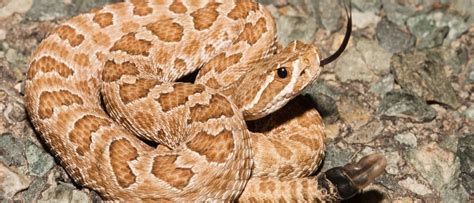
(282, 73)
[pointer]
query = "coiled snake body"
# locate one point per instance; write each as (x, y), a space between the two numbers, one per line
(132, 54)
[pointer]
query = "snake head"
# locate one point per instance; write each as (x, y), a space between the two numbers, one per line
(274, 81)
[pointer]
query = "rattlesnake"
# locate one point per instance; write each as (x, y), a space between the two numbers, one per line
(132, 55)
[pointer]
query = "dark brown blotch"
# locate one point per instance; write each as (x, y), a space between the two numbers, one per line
(221, 62)
(113, 71)
(242, 9)
(48, 64)
(215, 148)
(178, 7)
(252, 33)
(103, 19)
(203, 18)
(66, 32)
(166, 30)
(81, 135)
(141, 8)
(139, 89)
(121, 153)
(131, 45)
(218, 106)
(50, 100)
(179, 95)
(179, 65)
(165, 169)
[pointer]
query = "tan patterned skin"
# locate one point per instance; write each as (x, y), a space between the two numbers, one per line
(131, 55)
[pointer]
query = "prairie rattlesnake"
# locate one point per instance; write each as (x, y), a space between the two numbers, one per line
(132, 53)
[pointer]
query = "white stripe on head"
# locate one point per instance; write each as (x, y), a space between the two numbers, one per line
(317, 59)
(255, 100)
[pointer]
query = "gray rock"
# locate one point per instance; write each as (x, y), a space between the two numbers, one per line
(320, 87)
(80, 196)
(11, 55)
(4, 46)
(440, 168)
(63, 193)
(450, 142)
(469, 113)
(406, 139)
(35, 189)
(352, 66)
(428, 26)
(309, 6)
(468, 183)
(455, 57)
(457, 24)
(397, 13)
(391, 183)
(404, 105)
(324, 99)
(39, 161)
(384, 85)
(376, 58)
(353, 112)
(266, 2)
(470, 74)
(11, 150)
(47, 10)
(415, 186)
(393, 160)
(290, 28)
(11, 182)
(366, 133)
(463, 6)
(326, 107)
(366, 151)
(423, 75)
(466, 155)
(52, 9)
(336, 156)
(7, 73)
(454, 193)
(7, 8)
(17, 112)
(421, 25)
(57, 192)
(329, 14)
(367, 5)
(434, 39)
(82, 6)
(363, 63)
(392, 38)
(365, 19)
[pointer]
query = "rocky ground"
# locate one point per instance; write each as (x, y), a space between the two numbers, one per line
(404, 87)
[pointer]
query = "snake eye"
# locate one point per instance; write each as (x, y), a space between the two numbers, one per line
(282, 72)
